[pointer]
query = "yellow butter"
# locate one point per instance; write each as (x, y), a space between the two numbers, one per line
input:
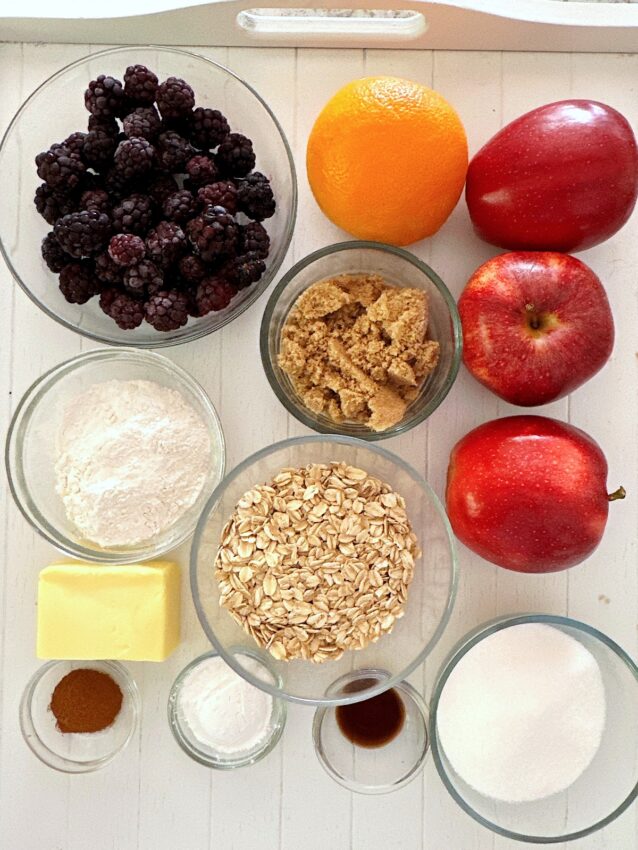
(130, 612)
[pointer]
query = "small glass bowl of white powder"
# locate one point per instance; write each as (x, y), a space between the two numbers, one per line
(218, 718)
(534, 728)
(111, 455)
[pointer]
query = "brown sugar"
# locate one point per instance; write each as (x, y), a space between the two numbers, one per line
(356, 348)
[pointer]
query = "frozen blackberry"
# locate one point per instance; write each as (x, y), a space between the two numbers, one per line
(107, 270)
(116, 184)
(134, 157)
(142, 123)
(75, 142)
(53, 254)
(213, 293)
(201, 170)
(255, 198)
(52, 205)
(99, 147)
(126, 249)
(191, 269)
(167, 310)
(126, 311)
(180, 206)
(78, 282)
(213, 234)
(104, 122)
(235, 156)
(60, 168)
(104, 96)
(133, 214)
(208, 128)
(140, 84)
(107, 297)
(243, 270)
(173, 151)
(174, 98)
(143, 279)
(223, 193)
(166, 243)
(160, 186)
(254, 238)
(96, 199)
(83, 233)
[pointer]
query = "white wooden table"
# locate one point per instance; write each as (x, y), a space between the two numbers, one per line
(153, 797)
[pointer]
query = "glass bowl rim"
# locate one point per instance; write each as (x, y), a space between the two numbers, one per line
(210, 505)
(163, 341)
(65, 764)
(33, 396)
(279, 712)
(299, 411)
(405, 688)
(466, 643)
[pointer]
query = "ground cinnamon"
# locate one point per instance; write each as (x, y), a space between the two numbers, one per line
(86, 700)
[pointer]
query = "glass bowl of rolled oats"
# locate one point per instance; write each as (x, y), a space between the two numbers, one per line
(325, 554)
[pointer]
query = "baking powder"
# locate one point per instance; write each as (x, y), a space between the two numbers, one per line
(133, 457)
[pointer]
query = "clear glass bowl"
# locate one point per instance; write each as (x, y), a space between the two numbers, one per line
(56, 109)
(395, 266)
(206, 755)
(76, 752)
(377, 770)
(31, 448)
(430, 596)
(606, 788)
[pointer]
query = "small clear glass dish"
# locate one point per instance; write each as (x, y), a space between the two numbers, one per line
(373, 770)
(607, 786)
(31, 448)
(207, 756)
(76, 752)
(395, 266)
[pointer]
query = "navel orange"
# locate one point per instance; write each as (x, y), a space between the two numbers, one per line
(386, 159)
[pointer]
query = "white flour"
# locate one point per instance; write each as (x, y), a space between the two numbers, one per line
(133, 457)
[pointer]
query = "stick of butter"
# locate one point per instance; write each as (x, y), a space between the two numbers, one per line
(128, 611)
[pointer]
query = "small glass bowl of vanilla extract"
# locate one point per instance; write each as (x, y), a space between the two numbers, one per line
(377, 745)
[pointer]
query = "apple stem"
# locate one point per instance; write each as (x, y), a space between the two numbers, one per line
(534, 322)
(620, 493)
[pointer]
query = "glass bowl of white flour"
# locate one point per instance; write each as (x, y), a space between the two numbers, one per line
(111, 455)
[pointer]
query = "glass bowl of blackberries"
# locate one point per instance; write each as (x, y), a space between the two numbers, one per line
(149, 196)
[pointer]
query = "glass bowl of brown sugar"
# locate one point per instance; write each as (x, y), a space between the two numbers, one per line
(362, 339)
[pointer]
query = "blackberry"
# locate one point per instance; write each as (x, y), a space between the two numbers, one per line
(160, 186)
(213, 294)
(52, 205)
(243, 270)
(142, 123)
(116, 183)
(104, 122)
(143, 279)
(255, 198)
(167, 310)
(104, 96)
(127, 312)
(174, 98)
(208, 128)
(75, 143)
(60, 168)
(107, 297)
(201, 170)
(254, 238)
(235, 155)
(78, 282)
(134, 157)
(99, 147)
(96, 199)
(191, 269)
(166, 243)
(53, 254)
(179, 207)
(173, 151)
(220, 194)
(213, 233)
(126, 249)
(83, 233)
(140, 84)
(133, 215)
(107, 270)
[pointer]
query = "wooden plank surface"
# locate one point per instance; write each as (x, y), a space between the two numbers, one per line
(153, 797)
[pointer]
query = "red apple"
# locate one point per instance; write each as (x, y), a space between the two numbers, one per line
(536, 325)
(528, 493)
(563, 177)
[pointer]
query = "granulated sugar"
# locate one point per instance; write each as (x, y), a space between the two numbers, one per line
(523, 712)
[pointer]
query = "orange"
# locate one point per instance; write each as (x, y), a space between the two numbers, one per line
(386, 159)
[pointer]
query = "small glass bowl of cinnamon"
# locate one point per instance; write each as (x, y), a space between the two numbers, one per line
(361, 339)
(98, 697)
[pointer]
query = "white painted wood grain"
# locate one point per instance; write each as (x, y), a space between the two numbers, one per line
(155, 798)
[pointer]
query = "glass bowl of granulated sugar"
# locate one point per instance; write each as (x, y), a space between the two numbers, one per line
(111, 455)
